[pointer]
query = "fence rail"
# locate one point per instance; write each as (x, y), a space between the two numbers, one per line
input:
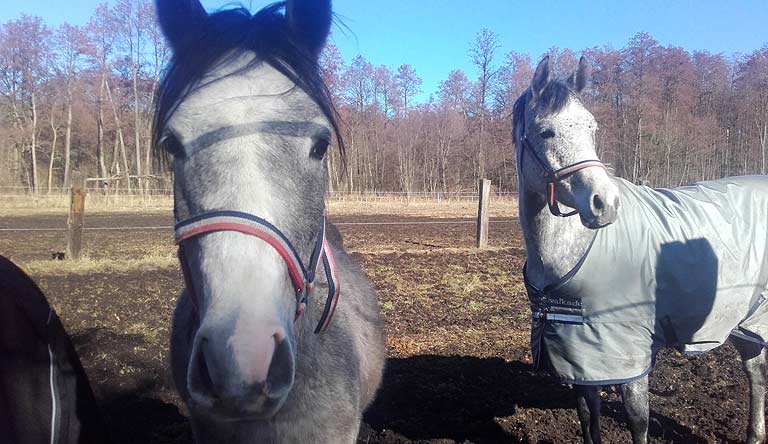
(122, 196)
(338, 224)
(79, 191)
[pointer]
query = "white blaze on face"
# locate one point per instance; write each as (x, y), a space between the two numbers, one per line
(248, 303)
(252, 273)
(253, 345)
(261, 316)
(246, 297)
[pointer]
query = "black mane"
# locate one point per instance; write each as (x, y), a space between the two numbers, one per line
(229, 32)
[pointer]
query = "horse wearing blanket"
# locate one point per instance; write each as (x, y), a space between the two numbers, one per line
(642, 269)
(45, 396)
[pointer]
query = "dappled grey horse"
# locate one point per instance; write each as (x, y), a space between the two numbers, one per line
(639, 269)
(277, 336)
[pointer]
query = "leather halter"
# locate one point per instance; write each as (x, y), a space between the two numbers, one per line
(302, 277)
(554, 176)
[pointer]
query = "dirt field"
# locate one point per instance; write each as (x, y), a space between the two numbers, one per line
(457, 325)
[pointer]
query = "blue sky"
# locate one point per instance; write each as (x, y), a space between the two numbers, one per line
(434, 35)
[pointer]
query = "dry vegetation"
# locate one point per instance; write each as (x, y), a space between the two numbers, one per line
(16, 204)
(462, 207)
(465, 206)
(86, 264)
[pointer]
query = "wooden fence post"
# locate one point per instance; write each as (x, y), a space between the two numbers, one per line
(482, 213)
(78, 191)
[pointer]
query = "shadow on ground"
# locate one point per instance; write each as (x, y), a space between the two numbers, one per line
(132, 409)
(134, 417)
(424, 399)
(429, 397)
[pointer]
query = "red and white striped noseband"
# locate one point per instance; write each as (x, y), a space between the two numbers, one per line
(303, 278)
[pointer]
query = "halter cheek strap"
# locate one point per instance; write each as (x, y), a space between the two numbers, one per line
(303, 278)
(555, 176)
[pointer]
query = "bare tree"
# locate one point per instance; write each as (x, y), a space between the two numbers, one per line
(101, 39)
(665, 114)
(481, 53)
(70, 47)
(24, 67)
(408, 85)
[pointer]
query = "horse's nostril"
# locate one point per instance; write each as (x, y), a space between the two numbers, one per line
(597, 202)
(204, 380)
(204, 374)
(281, 370)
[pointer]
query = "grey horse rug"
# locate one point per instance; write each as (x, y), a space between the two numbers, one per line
(683, 267)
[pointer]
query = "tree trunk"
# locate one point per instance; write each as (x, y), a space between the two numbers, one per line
(638, 161)
(137, 123)
(148, 126)
(68, 144)
(33, 145)
(763, 141)
(55, 132)
(100, 126)
(124, 155)
(114, 168)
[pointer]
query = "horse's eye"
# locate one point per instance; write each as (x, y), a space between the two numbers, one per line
(319, 149)
(547, 134)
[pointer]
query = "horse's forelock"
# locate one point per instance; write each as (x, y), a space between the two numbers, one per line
(553, 98)
(226, 34)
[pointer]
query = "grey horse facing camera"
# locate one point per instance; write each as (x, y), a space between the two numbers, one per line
(277, 337)
(639, 269)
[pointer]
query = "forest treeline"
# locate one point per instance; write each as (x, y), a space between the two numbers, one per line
(80, 97)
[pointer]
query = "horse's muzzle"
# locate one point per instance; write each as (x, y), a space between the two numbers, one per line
(246, 376)
(604, 210)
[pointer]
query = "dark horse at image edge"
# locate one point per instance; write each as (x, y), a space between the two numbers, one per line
(45, 397)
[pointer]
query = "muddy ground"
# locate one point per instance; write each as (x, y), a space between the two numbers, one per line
(457, 324)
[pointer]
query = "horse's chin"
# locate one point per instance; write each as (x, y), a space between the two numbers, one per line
(263, 409)
(595, 223)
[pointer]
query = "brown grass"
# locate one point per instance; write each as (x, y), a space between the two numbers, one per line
(465, 207)
(85, 265)
(501, 206)
(24, 204)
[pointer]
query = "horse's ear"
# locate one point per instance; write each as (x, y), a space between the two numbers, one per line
(579, 79)
(180, 20)
(540, 78)
(310, 21)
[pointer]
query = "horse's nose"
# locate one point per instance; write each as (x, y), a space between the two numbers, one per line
(239, 370)
(597, 203)
(605, 208)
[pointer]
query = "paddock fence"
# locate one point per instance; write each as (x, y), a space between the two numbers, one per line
(160, 198)
(81, 196)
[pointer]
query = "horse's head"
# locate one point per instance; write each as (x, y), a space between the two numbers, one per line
(247, 118)
(556, 157)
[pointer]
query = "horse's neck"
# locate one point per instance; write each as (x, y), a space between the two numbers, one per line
(554, 245)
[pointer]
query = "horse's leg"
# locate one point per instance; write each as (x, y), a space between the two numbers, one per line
(635, 399)
(753, 359)
(588, 407)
